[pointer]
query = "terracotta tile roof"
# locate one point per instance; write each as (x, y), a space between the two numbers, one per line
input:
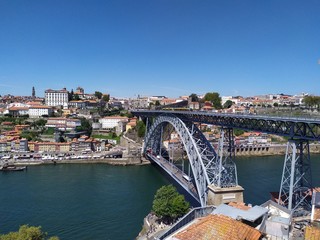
(316, 215)
(33, 103)
(6, 123)
(40, 107)
(116, 117)
(18, 108)
(213, 227)
(312, 233)
(132, 124)
(239, 205)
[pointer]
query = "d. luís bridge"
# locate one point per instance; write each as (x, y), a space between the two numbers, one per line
(212, 175)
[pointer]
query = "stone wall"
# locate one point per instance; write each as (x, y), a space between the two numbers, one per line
(269, 150)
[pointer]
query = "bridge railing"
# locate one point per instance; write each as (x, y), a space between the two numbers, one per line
(189, 217)
(278, 116)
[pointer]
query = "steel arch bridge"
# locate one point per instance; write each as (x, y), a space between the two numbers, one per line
(203, 159)
(211, 168)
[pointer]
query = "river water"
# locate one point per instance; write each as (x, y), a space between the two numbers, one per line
(99, 201)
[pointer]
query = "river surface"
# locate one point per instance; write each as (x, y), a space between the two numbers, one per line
(99, 201)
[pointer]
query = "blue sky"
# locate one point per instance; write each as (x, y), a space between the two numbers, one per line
(160, 47)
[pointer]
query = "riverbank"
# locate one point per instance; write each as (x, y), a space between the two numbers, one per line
(115, 162)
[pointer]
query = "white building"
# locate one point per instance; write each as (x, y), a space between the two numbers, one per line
(38, 111)
(56, 97)
(111, 122)
(63, 123)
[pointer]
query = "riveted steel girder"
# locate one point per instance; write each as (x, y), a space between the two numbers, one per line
(295, 128)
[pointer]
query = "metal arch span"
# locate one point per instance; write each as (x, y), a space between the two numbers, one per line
(202, 157)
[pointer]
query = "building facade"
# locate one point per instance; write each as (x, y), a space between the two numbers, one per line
(112, 122)
(39, 111)
(56, 97)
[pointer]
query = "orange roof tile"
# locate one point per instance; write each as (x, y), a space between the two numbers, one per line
(312, 233)
(40, 107)
(213, 227)
(18, 108)
(316, 215)
(116, 117)
(239, 205)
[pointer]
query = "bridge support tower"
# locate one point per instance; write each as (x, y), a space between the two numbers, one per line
(296, 182)
(227, 189)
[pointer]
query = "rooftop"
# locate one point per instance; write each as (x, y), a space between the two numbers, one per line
(252, 214)
(213, 227)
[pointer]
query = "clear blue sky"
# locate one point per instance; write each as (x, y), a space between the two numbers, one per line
(160, 47)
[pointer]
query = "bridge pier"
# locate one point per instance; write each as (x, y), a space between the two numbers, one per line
(296, 177)
(218, 195)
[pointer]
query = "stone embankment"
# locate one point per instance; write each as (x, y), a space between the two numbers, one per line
(279, 149)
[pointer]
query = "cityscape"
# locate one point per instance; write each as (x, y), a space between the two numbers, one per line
(76, 127)
(159, 120)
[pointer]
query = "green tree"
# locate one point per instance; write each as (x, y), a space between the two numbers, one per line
(238, 132)
(27, 233)
(214, 98)
(41, 122)
(106, 97)
(312, 101)
(98, 94)
(141, 129)
(157, 103)
(85, 126)
(194, 97)
(70, 95)
(76, 97)
(227, 104)
(169, 205)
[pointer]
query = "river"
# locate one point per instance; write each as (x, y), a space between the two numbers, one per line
(99, 201)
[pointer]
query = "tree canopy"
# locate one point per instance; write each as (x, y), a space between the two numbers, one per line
(106, 97)
(27, 233)
(85, 126)
(227, 104)
(98, 94)
(169, 205)
(141, 128)
(312, 101)
(194, 97)
(214, 98)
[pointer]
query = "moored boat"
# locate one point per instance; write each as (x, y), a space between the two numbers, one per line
(11, 167)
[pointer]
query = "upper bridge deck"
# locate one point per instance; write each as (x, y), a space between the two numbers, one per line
(292, 127)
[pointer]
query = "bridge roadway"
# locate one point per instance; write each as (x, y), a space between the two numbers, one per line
(294, 128)
(175, 173)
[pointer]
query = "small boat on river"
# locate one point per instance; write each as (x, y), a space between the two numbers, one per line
(11, 167)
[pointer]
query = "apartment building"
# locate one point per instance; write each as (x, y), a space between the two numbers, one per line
(63, 123)
(56, 97)
(112, 122)
(39, 111)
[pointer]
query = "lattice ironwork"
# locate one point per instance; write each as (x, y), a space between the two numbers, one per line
(294, 128)
(202, 157)
(227, 174)
(296, 180)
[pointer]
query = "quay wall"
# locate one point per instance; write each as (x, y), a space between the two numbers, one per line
(269, 150)
(111, 161)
